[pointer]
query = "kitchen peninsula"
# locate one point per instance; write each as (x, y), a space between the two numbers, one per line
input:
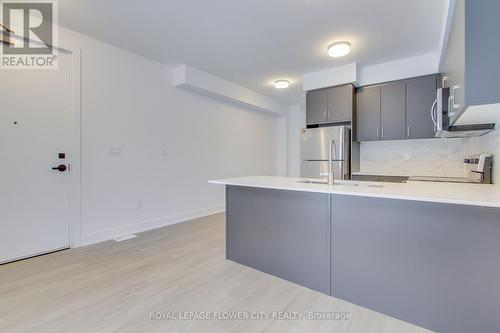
(426, 253)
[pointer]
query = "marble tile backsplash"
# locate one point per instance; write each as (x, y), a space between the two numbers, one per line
(429, 157)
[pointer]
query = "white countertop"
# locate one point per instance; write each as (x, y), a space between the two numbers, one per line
(464, 194)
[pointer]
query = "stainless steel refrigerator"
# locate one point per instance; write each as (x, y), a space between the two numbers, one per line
(314, 152)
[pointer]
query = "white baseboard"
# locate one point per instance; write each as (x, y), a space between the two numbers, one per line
(108, 234)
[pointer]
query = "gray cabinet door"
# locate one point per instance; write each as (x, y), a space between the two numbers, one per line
(340, 103)
(420, 95)
(283, 233)
(368, 114)
(316, 107)
(426, 263)
(392, 110)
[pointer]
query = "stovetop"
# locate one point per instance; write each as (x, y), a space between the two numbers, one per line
(444, 179)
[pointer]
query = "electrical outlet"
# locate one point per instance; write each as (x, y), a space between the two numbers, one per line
(138, 204)
(115, 151)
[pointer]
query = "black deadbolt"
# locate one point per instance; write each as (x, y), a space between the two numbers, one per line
(61, 168)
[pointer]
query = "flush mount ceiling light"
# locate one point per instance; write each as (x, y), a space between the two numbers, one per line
(281, 84)
(339, 49)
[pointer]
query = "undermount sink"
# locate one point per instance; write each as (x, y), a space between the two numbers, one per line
(310, 181)
(374, 185)
(324, 182)
(337, 183)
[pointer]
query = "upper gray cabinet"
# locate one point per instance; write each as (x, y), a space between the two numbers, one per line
(340, 103)
(316, 107)
(331, 105)
(396, 110)
(392, 111)
(368, 113)
(471, 58)
(420, 95)
(380, 113)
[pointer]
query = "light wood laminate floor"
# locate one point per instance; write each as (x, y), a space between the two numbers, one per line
(113, 287)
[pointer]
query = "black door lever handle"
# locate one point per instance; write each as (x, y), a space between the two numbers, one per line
(61, 168)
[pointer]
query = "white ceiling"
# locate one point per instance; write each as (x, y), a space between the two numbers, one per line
(255, 42)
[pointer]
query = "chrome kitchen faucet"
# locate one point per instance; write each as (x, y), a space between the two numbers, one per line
(331, 175)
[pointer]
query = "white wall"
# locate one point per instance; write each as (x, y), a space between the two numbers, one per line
(296, 121)
(399, 69)
(193, 79)
(281, 145)
(372, 74)
(129, 102)
(330, 77)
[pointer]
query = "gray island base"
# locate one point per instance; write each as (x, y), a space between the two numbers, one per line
(431, 264)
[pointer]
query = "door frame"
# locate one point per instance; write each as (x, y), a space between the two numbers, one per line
(74, 105)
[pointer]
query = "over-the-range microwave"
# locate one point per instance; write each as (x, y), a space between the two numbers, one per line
(441, 115)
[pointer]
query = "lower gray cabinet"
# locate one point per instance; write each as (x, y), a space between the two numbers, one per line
(283, 233)
(433, 265)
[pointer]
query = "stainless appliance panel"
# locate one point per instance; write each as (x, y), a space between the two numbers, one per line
(319, 169)
(314, 143)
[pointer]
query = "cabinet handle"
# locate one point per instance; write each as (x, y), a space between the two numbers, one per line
(378, 134)
(382, 133)
(454, 93)
(408, 131)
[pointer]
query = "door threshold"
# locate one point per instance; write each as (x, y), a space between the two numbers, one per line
(34, 256)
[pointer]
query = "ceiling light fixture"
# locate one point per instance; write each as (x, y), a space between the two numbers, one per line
(281, 84)
(339, 49)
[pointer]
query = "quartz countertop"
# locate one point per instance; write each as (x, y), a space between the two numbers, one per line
(452, 193)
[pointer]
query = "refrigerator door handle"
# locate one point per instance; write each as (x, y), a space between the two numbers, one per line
(342, 152)
(341, 144)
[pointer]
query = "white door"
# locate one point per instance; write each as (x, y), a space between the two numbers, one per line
(34, 130)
